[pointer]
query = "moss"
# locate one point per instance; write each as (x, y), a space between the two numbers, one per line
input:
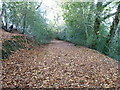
(9, 46)
(20, 39)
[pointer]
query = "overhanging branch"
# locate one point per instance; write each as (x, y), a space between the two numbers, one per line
(39, 6)
(106, 4)
(112, 14)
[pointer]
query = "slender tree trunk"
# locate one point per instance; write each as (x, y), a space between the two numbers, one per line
(115, 28)
(1, 14)
(98, 18)
(24, 18)
(24, 24)
(114, 25)
(97, 23)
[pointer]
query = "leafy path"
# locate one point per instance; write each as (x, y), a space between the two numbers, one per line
(59, 64)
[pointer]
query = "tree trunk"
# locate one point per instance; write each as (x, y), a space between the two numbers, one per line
(115, 28)
(97, 22)
(1, 14)
(114, 25)
(98, 18)
(24, 24)
(24, 18)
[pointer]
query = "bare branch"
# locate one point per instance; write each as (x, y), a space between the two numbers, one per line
(118, 12)
(106, 4)
(1, 14)
(39, 6)
(112, 14)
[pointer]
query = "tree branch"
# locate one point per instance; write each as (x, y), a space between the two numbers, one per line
(39, 6)
(106, 4)
(112, 14)
(1, 14)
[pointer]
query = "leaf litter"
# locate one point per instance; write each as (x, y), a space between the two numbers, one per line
(59, 64)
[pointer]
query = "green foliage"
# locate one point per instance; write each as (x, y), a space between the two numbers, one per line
(85, 24)
(102, 37)
(80, 19)
(114, 47)
(28, 20)
(9, 46)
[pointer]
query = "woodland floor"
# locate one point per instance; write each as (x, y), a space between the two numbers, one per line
(59, 64)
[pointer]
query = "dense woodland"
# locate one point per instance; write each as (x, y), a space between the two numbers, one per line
(94, 25)
(90, 25)
(78, 45)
